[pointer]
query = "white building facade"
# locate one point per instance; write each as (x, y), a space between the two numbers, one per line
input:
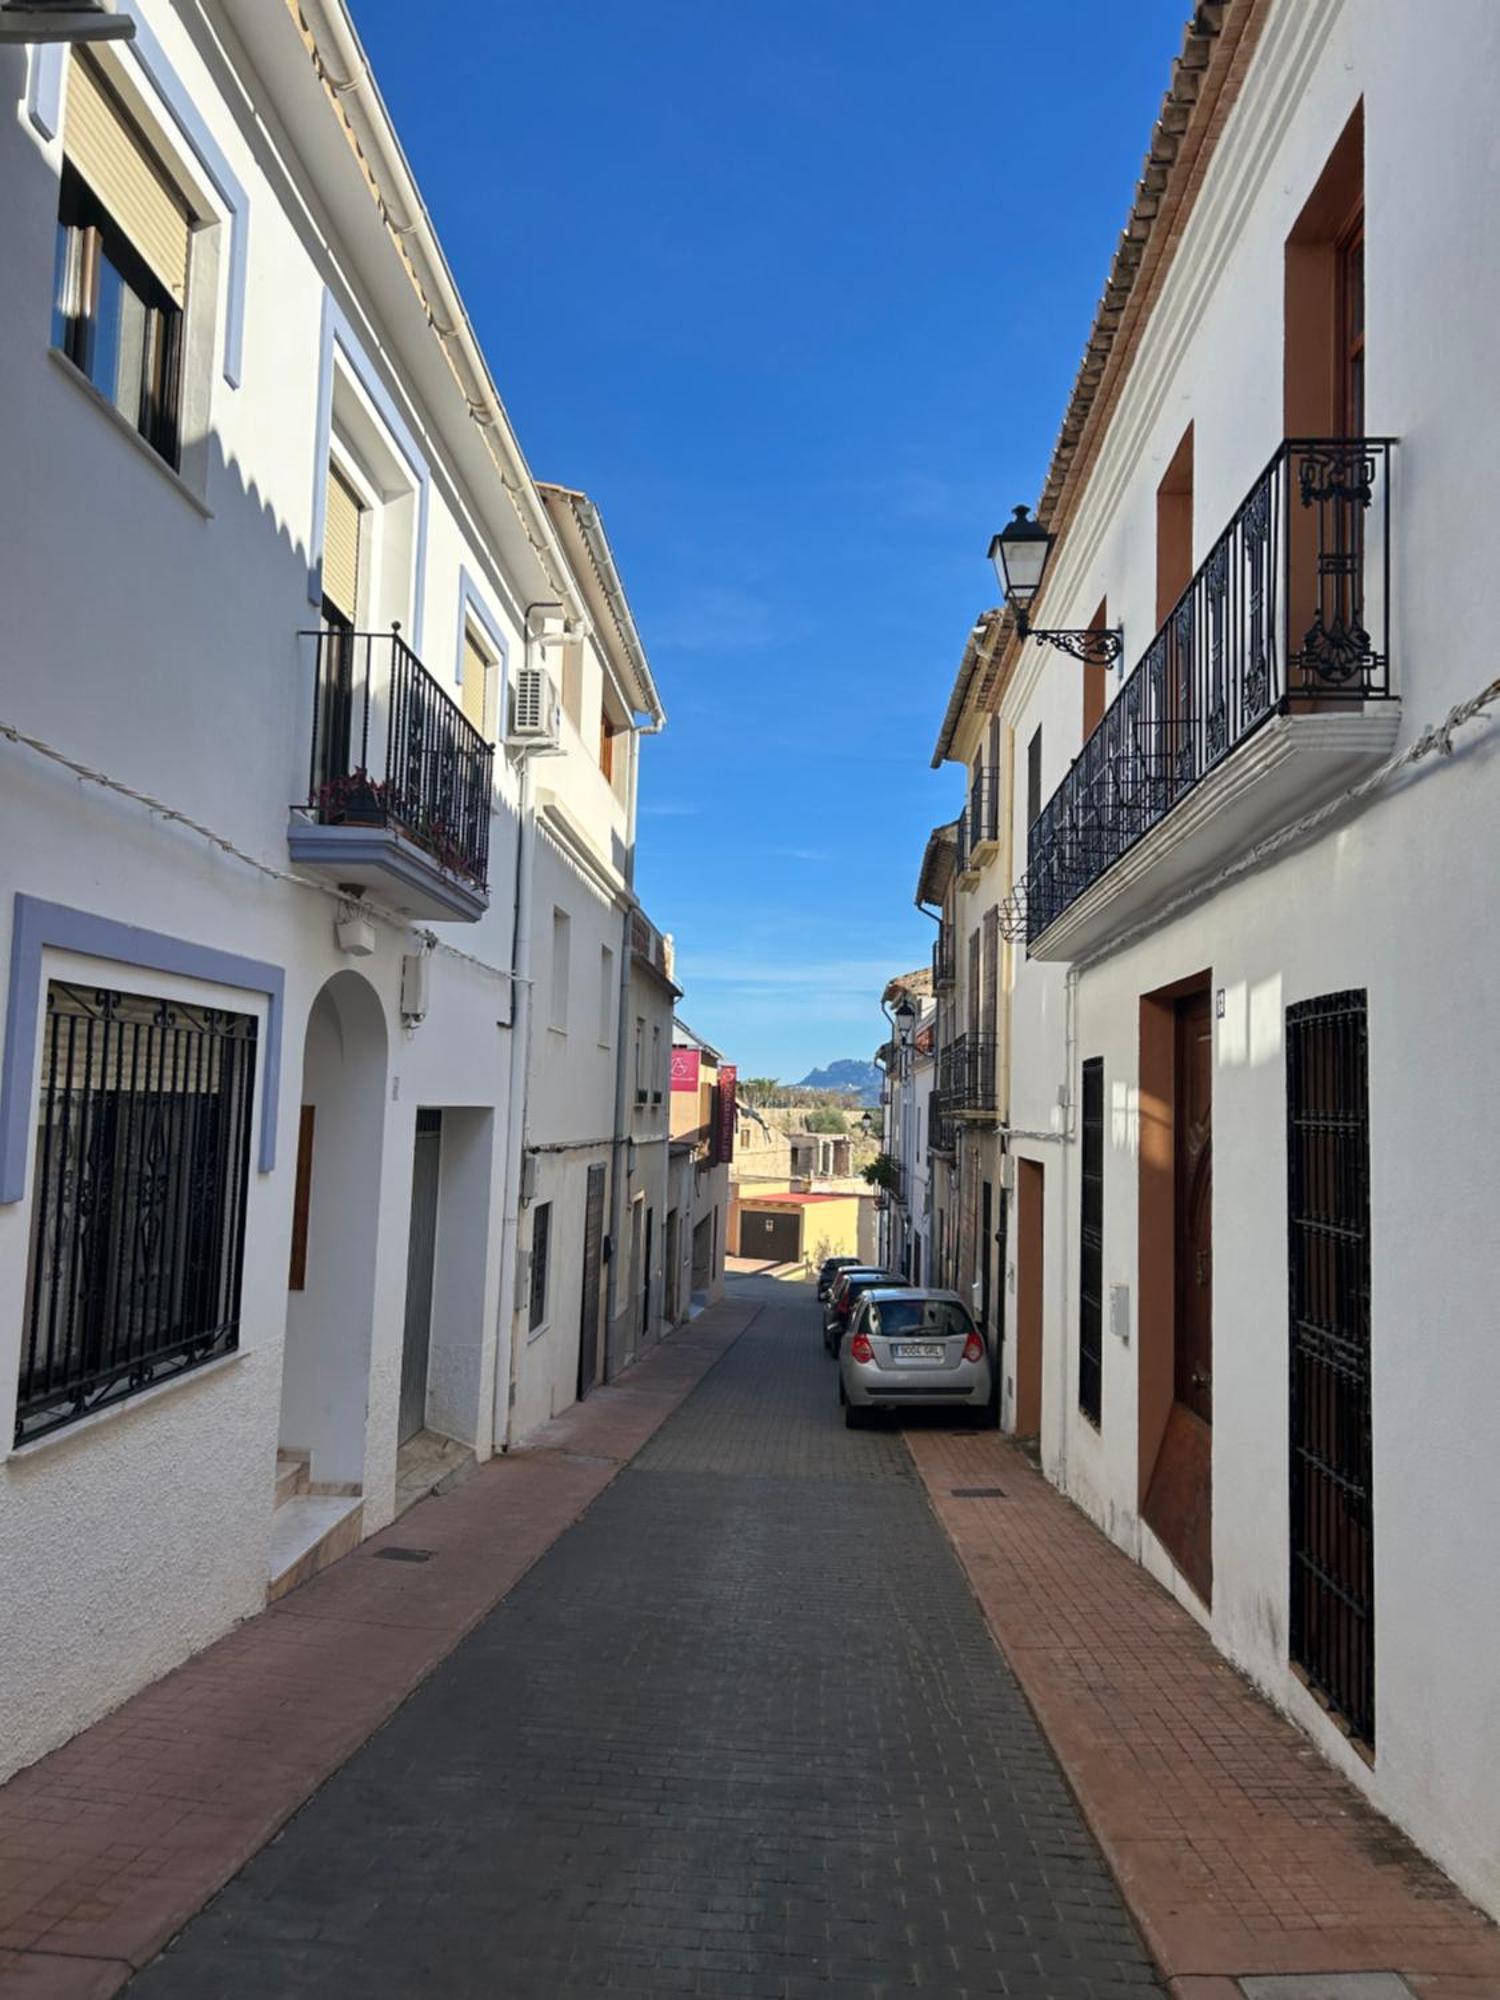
(284, 1092)
(1244, 1026)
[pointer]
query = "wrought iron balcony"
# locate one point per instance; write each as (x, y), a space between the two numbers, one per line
(979, 823)
(1283, 630)
(969, 1077)
(944, 961)
(400, 781)
(940, 1124)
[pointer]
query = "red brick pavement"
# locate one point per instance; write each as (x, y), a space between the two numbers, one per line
(1238, 1849)
(111, 1843)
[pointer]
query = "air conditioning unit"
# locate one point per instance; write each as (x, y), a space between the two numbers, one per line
(533, 707)
(62, 21)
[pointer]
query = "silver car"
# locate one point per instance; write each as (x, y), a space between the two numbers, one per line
(908, 1347)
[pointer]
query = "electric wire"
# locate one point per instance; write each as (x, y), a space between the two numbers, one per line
(173, 816)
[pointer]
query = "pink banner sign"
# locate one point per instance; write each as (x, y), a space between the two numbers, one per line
(686, 1064)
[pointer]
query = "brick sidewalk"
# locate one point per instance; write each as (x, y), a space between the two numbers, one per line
(1239, 1850)
(111, 1843)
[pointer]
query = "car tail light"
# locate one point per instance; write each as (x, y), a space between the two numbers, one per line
(860, 1348)
(973, 1348)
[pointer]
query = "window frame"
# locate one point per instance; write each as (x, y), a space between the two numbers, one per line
(560, 973)
(88, 238)
(539, 1276)
(204, 1106)
(1091, 1242)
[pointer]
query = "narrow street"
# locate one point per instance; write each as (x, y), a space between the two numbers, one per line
(743, 1731)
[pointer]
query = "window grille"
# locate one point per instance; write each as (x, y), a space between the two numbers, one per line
(541, 1237)
(1091, 1247)
(1332, 1624)
(138, 1210)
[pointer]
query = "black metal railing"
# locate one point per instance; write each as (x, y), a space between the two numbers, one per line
(968, 1074)
(939, 1124)
(944, 961)
(1288, 614)
(391, 748)
(979, 822)
(138, 1199)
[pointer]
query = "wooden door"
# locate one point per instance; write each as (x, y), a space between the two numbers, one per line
(593, 1270)
(1193, 1206)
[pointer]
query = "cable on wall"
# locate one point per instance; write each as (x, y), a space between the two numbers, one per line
(159, 809)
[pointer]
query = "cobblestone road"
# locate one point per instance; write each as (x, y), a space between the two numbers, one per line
(741, 1732)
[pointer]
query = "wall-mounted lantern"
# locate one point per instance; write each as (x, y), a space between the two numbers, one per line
(1019, 553)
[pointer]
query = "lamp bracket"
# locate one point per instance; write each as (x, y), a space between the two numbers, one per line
(1093, 646)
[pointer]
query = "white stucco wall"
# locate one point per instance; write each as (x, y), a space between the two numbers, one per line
(1392, 901)
(152, 632)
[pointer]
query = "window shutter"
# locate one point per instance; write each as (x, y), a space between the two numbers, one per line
(102, 143)
(341, 547)
(474, 701)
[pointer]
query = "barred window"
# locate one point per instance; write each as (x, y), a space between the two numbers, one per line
(541, 1232)
(138, 1210)
(1091, 1246)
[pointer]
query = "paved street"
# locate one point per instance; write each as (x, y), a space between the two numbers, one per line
(741, 1732)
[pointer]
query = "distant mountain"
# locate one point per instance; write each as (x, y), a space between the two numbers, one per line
(860, 1079)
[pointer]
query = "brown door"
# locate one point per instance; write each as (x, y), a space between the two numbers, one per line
(1193, 1175)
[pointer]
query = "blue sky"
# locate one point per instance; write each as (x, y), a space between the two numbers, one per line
(796, 290)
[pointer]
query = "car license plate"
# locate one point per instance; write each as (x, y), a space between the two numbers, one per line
(917, 1350)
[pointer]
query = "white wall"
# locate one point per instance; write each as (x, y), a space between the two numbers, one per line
(165, 652)
(1391, 901)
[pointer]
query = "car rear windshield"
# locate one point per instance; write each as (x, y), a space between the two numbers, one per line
(939, 1317)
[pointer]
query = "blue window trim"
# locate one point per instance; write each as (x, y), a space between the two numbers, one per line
(44, 107)
(472, 605)
(39, 926)
(338, 335)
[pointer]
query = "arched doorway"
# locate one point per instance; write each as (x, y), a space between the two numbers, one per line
(331, 1296)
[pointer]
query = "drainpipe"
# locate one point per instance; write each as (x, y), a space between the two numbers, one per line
(886, 1123)
(1070, 1038)
(520, 1048)
(506, 1355)
(619, 1146)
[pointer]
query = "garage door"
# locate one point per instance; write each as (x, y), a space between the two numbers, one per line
(777, 1238)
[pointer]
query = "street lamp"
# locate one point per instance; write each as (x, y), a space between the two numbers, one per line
(905, 1015)
(1019, 553)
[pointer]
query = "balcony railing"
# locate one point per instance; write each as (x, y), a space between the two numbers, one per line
(939, 1124)
(968, 1076)
(1288, 615)
(979, 822)
(944, 961)
(391, 749)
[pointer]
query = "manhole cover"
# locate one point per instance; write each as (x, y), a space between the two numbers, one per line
(977, 1492)
(398, 1555)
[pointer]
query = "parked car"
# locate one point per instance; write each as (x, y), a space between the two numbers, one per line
(913, 1348)
(848, 1288)
(830, 1270)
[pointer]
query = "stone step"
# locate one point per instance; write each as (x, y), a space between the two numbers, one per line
(308, 1532)
(292, 1475)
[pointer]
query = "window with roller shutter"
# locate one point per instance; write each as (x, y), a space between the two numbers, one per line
(123, 246)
